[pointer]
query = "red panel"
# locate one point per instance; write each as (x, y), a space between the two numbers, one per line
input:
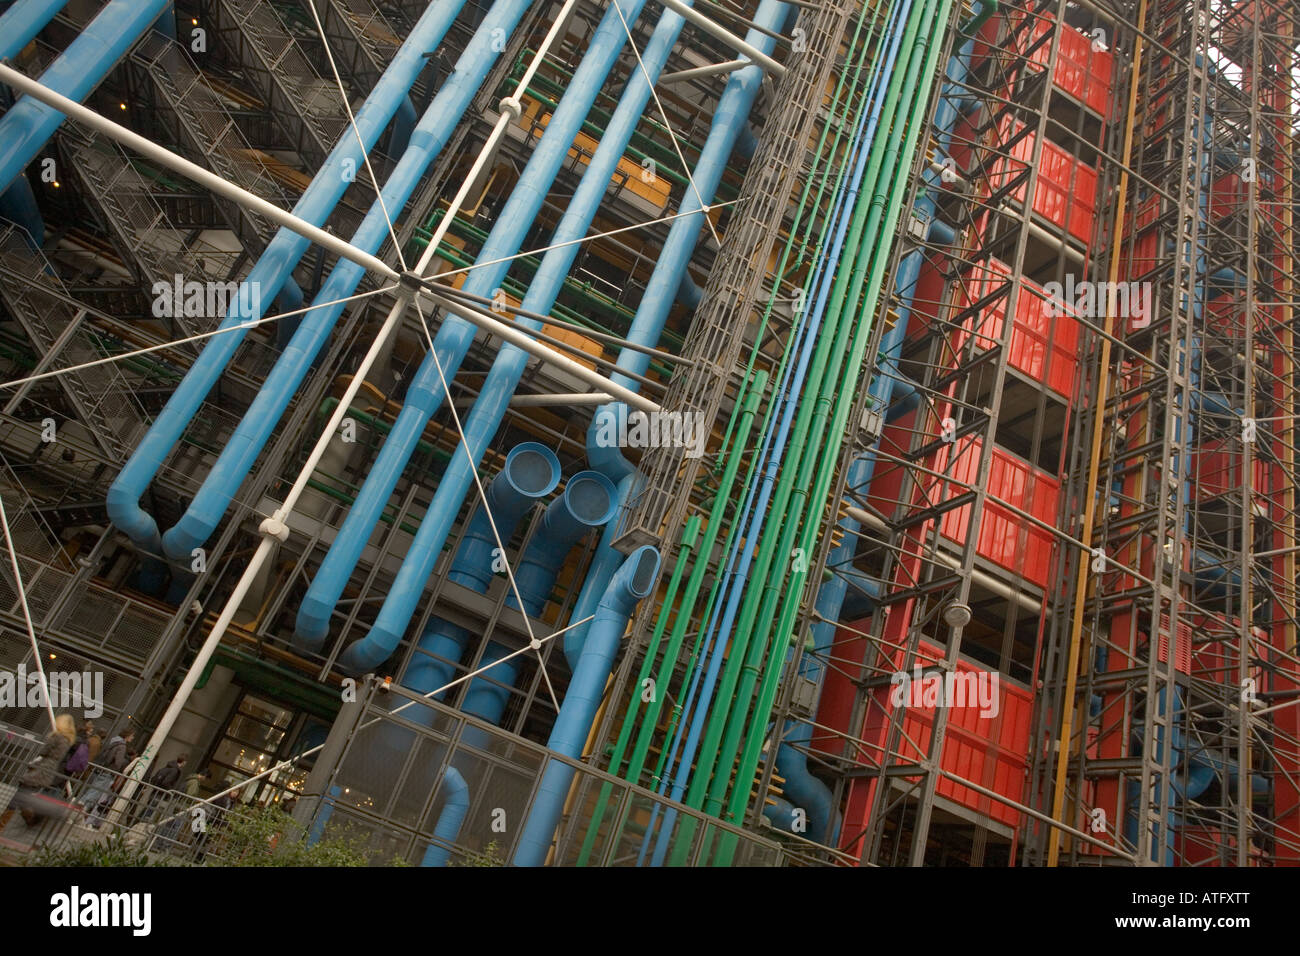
(1004, 538)
(1044, 346)
(1080, 72)
(1218, 469)
(990, 750)
(1227, 195)
(1067, 189)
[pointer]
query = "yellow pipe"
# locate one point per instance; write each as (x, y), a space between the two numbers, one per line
(1090, 506)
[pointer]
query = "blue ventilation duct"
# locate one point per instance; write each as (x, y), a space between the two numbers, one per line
(531, 472)
(454, 809)
(501, 382)
(426, 143)
(455, 335)
(22, 21)
(28, 126)
(268, 275)
(633, 581)
(588, 502)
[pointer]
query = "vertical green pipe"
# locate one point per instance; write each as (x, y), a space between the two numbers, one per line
(886, 207)
(748, 646)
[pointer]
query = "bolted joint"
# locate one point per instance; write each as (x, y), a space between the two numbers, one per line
(511, 105)
(410, 284)
(273, 527)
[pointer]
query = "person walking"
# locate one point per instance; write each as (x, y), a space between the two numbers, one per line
(42, 774)
(163, 780)
(112, 762)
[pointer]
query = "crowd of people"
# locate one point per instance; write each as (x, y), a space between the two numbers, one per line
(76, 771)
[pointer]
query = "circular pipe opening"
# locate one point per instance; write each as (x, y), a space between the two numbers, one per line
(591, 497)
(532, 469)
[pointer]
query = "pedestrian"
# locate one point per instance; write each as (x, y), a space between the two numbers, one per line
(112, 762)
(195, 780)
(163, 781)
(42, 774)
(94, 740)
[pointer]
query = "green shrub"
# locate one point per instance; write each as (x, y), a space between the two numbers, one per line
(112, 851)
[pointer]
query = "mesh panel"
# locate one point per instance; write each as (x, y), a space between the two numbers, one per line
(531, 472)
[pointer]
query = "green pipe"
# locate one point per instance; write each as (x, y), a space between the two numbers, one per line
(669, 662)
(886, 206)
(827, 164)
(689, 534)
(727, 720)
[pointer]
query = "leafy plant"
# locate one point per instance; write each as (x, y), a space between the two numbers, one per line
(491, 856)
(267, 836)
(112, 851)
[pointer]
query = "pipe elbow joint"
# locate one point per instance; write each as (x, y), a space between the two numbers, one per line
(123, 505)
(312, 624)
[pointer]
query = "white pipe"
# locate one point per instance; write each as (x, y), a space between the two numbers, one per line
(560, 398)
(198, 174)
(521, 340)
(708, 70)
(726, 36)
(275, 529)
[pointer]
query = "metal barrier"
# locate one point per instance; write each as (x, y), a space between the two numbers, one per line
(380, 778)
(166, 825)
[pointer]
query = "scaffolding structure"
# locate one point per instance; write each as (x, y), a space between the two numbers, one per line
(988, 327)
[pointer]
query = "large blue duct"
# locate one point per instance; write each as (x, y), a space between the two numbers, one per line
(28, 126)
(633, 581)
(531, 472)
(269, 274)
(450, 820)
(588, 502)
(501, 382)
(729, 121)
(22, 21)
(425, 394)
(425, 143)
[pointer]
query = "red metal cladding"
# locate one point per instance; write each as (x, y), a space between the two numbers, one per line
(1004, 538)
(987, 747)
(1067, 188)
(1182, 648)
(1044, 339)
(1217, 469)
(1228, 195)
(1081, 71)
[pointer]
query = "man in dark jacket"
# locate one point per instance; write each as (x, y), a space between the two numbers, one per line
(162, 781)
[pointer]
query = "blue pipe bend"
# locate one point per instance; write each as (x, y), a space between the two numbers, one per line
(634, 580)
(266, 278)
(454, 809)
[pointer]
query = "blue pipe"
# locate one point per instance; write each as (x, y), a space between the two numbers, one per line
(729, 122)
(18, 204)
(267, 276)
(806, 790)
(501, 382)
(425, 394)
(28, 126)
(633, 581)
(403, 126)
(773, 448)
(588, 502)
(530, 473)
(250, 437)
(22, 21)
(454, 809)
